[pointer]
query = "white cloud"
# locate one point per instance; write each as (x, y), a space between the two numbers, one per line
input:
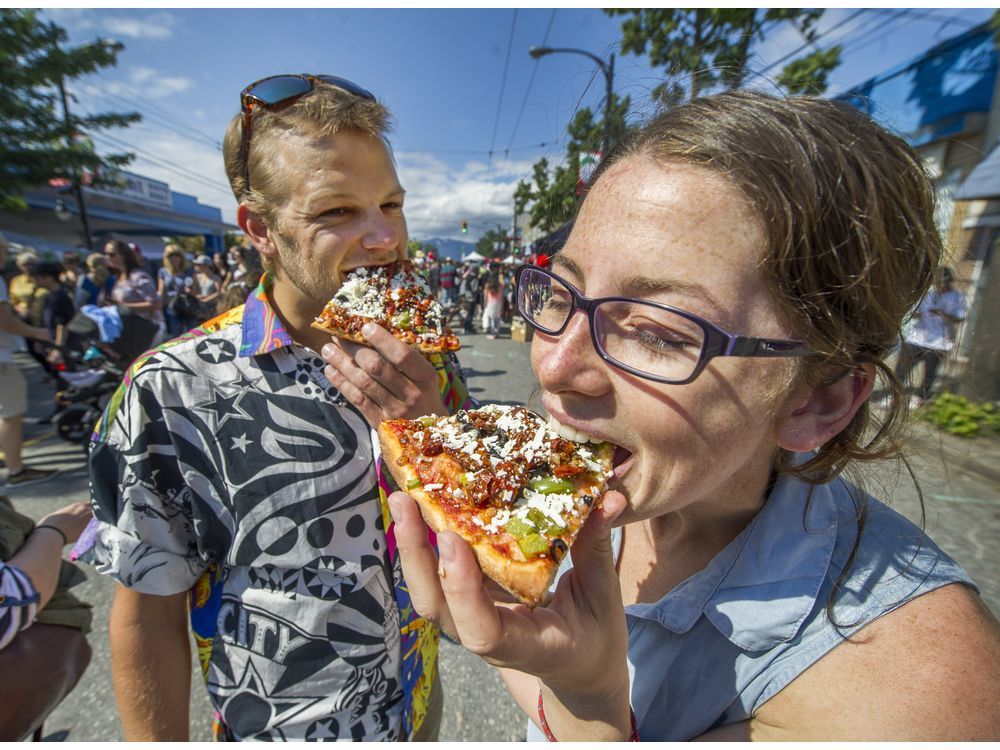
(144, 26)
(140, 84)
(439, 197)
(186, 165)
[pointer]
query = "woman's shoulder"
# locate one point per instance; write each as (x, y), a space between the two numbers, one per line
(928, 670)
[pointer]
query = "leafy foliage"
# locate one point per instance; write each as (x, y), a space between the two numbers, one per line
(36, 143)
(706, 49)
(487, 244)
(959, 416)
(553, 194)
(701, 50)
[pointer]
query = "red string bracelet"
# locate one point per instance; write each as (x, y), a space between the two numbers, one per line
(634, 737)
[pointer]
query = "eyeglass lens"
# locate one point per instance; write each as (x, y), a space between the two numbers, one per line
(631, 333)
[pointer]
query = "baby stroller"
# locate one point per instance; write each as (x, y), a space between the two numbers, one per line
(94, 369)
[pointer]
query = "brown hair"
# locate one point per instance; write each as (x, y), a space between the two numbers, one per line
(851, 241)
(130, 255)
(320, 113)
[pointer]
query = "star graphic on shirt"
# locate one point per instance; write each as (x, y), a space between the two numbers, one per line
(241, 442)
(216, 350)
(321, 730)
(224, 404)
(280, 708)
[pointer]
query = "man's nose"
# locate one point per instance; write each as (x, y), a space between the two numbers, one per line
(382, 232)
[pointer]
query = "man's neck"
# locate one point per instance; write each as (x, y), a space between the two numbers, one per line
(297, 313)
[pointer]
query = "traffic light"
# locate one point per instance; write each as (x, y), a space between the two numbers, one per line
(465, 227)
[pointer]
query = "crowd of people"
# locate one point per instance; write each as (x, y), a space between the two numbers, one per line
(736, 582)
(473, 291)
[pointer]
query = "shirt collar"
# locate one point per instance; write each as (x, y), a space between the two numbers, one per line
(263, 331)
(760, 588)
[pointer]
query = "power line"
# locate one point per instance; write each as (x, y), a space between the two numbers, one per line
(531, 81)
(925, 16)
(137, 101)
(811, 43)
(496, 119)
(178, 170)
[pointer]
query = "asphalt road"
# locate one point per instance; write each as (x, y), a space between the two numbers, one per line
(960, 480)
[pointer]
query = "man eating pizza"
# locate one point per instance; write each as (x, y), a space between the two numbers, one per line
(228, 469)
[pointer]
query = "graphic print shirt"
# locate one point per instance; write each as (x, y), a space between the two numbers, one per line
(228, 466)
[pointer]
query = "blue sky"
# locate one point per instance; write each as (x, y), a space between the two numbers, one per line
(457, 81)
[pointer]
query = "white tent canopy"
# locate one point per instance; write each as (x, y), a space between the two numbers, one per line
(473, 257)
(510, 259)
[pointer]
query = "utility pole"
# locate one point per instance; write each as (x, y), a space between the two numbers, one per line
(75, 181)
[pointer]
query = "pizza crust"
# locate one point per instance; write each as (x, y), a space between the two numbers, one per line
(427, 347)
(528, 580)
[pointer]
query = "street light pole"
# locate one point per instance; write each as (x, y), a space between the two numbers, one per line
(608, 68)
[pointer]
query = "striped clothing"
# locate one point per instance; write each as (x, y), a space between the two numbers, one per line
(18, 602)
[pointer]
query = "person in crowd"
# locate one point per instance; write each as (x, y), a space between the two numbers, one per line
(71, 271)
(469, 296)
(14, 388)
(449, 282)
(29, 576)
(232, 473)
(134, 288)
(932, 334)
(170, 283)
(43, 626)
(247, 268)
(492, 306)
(26, 297)
(58, 310)
(733, 584)
(432, 270)
(95, 285)
(205, 286)
(222, 266)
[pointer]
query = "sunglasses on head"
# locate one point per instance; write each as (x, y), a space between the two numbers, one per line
(280, 91)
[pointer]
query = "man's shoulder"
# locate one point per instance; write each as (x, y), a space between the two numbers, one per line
(198, 350)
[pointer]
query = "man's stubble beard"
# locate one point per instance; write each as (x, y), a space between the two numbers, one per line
(317, 285)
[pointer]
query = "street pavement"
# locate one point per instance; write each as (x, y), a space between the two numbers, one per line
(959, 478)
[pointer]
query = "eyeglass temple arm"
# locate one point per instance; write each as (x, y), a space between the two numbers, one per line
(742, 346)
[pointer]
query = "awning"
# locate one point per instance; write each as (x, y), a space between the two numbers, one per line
(984, 181)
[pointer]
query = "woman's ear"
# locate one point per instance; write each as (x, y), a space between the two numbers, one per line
(816, 413)
(257, 231)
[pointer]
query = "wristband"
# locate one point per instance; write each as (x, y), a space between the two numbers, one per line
(55, 529)
(634, 737)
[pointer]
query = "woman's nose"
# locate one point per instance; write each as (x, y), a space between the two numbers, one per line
(569, 361)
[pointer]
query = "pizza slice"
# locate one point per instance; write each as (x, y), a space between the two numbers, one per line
(506, 482)
(398, 298)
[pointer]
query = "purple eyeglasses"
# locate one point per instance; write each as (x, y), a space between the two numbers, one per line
(648, 339)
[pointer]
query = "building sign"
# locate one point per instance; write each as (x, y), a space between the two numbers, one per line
(139, 189)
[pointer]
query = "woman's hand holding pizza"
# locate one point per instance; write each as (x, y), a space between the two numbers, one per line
(576, 645)
(385, 380)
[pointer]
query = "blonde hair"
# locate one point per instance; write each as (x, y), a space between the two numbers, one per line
(174, 251)
(97, 267)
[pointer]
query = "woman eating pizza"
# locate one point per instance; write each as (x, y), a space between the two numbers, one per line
(724, 307)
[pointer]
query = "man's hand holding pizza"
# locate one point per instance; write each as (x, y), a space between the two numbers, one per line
(575, 645)
(386, 379)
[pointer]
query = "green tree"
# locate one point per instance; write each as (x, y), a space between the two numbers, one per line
(487, 244)
(703, 50)
(553, 195)
(36, 143)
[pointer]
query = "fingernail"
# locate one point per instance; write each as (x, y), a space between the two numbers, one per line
(394, 507)
(327, 350)
(368, 329)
